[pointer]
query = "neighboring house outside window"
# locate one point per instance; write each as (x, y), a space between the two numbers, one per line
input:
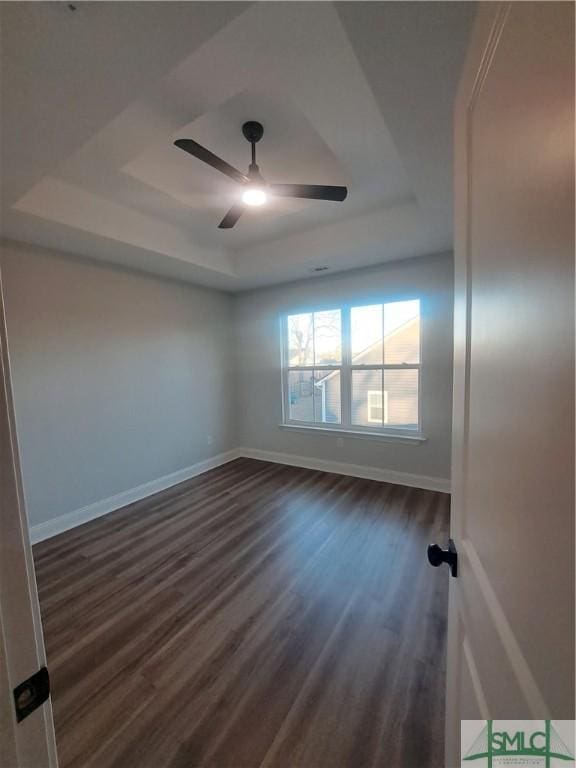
(355, 368)
(375, 406)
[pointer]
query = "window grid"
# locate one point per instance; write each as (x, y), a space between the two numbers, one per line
(345, 370)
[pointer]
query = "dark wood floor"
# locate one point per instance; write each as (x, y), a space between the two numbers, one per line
(257, 615)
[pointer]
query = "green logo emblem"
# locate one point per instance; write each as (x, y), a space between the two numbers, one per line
(545, 744)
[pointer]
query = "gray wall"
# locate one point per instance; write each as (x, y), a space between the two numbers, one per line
(118, 378)
(258, 363)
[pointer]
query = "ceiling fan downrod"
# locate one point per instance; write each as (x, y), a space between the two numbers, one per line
(253, 132)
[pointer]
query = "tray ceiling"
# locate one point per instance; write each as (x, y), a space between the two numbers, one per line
(354, 94)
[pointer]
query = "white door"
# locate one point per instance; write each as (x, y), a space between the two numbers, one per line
(511, 624)
(29, 743)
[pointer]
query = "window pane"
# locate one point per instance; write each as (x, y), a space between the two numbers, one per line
(401, 397)
(314, 396)
(301, 395)
(402, 332)
(367, 398)
(328, 337)
(301, 339)
(366, 330)
(327, 397)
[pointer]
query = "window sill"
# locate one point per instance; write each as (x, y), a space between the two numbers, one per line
(386, 437)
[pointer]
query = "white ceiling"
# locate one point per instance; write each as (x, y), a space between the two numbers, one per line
(354, 93)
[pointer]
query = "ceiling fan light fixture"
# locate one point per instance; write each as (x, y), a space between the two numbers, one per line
(254, 196)
(256, 190)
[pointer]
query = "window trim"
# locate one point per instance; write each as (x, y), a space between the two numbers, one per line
(345, 426)
(387, 436)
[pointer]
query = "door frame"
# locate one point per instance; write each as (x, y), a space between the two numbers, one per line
(32, 741)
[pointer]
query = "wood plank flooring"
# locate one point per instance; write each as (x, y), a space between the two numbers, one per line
(257, 616)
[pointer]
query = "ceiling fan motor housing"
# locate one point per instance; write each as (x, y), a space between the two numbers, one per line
(253, 131)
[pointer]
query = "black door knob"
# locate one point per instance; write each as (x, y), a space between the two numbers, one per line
(437, 556)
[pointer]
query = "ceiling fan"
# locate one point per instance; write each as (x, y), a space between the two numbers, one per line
(256, 190)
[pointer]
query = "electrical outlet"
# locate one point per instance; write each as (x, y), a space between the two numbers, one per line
(340, 442)
(210, 439)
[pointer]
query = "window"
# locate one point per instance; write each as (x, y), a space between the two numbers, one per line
(314, 345)
(353, 367)
(375, 415)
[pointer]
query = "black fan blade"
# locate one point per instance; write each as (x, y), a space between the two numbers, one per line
(309, 191)
(193, 148)
(231, 217)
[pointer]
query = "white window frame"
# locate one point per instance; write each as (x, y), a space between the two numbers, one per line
(346, 367)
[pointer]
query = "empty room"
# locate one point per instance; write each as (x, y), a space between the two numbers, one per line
(287, 351)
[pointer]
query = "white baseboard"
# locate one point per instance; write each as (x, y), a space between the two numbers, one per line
(354, 470)
(105, 506)
(77, 517)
